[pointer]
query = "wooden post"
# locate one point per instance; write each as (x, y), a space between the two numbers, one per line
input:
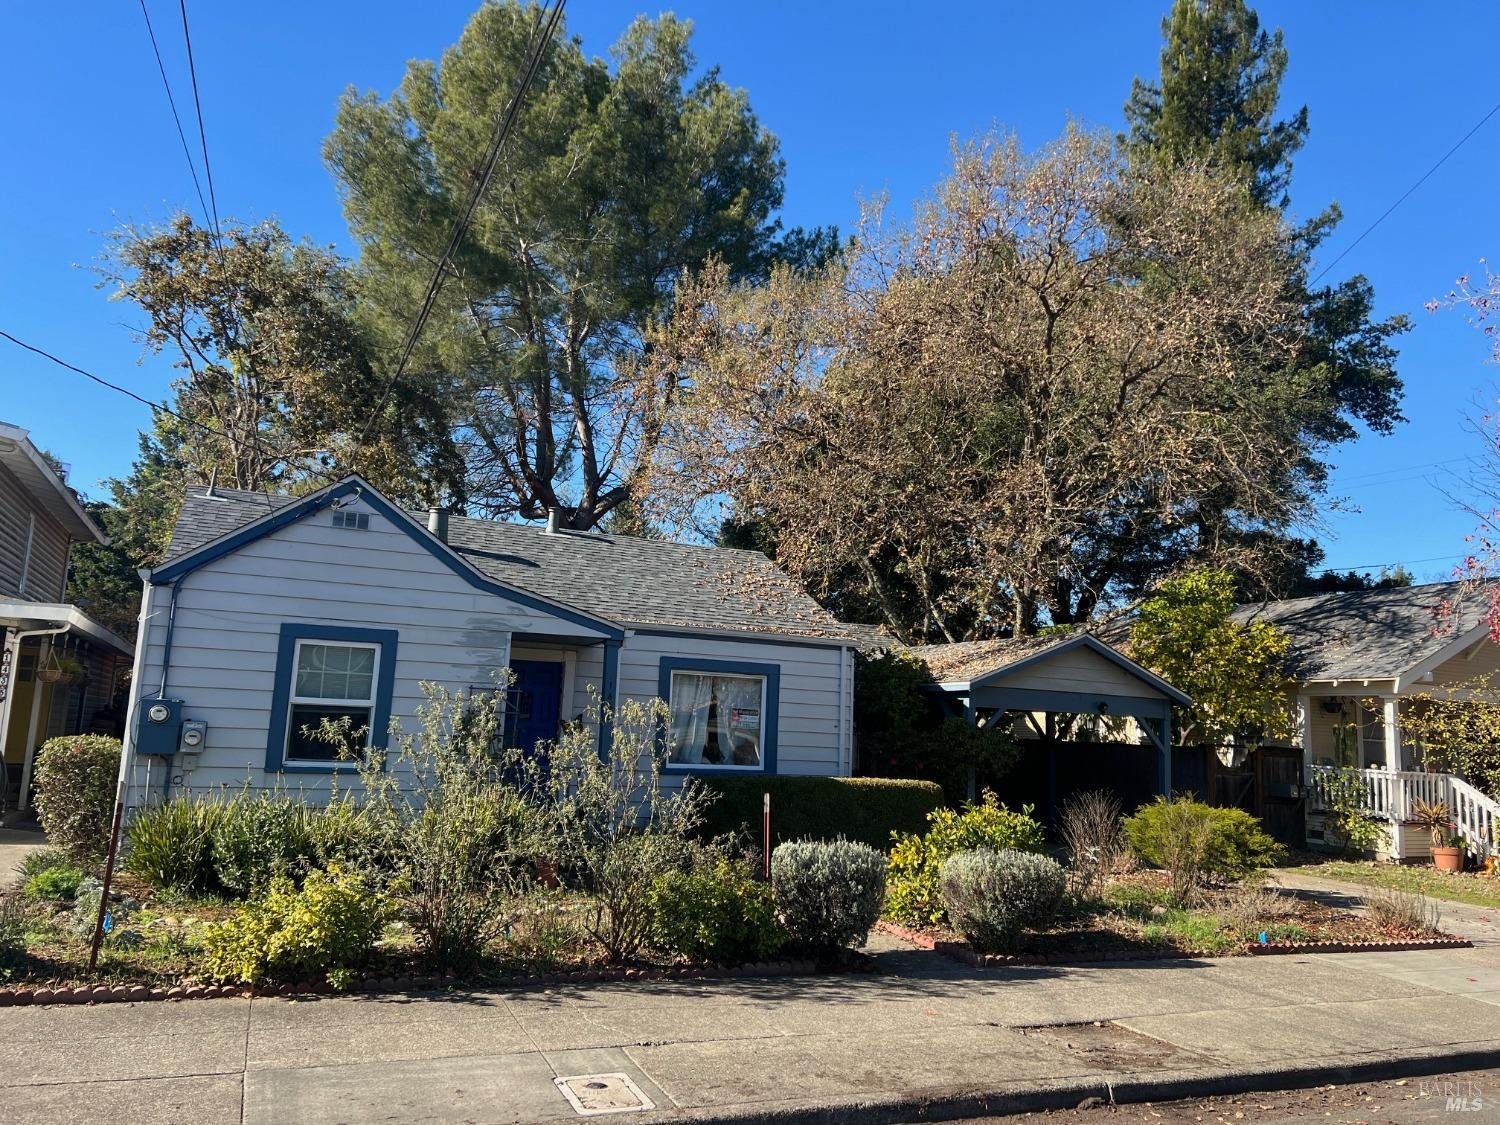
(765, 828)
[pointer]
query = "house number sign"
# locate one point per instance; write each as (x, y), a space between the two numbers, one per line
(6, 656)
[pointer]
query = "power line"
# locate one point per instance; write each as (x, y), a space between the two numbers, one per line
(1462, 140)
(156, 407)
(208, 171)
(1338, 479)
(460, 229)
(171, 101)
(1398, 562)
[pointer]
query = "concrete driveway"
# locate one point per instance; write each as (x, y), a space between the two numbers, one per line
(15, 843)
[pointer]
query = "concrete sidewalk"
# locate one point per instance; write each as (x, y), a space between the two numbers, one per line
(921, 1032)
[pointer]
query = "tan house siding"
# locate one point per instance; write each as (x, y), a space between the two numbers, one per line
(1082, 670)
(21, 519)
(1481, 661)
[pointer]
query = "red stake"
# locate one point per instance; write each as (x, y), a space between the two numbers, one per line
(765, 827)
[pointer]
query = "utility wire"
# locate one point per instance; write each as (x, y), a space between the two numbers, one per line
(171, 101)
(208, 171)
(460, 229)
(1462, 140)
(156, 407)
(1397, 562)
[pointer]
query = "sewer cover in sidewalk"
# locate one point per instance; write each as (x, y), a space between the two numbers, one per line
(1109, 1046)
(593, 1094)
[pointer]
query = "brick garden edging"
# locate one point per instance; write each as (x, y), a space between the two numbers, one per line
(963, 952)
(125, 993)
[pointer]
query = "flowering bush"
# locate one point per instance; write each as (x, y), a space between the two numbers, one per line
(827, 892)
(990, 896)
(75, 791)
(915, 860)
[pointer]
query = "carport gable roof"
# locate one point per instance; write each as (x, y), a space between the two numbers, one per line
(968, 665)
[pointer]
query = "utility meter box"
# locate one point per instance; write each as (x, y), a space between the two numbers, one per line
(194, 735)
(160, 728)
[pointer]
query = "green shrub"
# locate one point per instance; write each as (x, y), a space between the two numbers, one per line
(991, 896)
(42, 859)
(719, 913)
(828, 893)
(170, 846)
(86, 908)
(344, 832)
(866, 809)
(54, 883)
(327, 928)
(258, 836)
(75, 780)
(457, 838)
(915, 897)
(1198, 844)
(13, 926)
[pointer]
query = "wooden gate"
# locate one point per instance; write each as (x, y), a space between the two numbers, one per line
(1280, 798)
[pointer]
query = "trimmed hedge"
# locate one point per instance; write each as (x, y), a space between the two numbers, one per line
(866, 809)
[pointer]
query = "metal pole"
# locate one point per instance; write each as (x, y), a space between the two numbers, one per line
(109, 872)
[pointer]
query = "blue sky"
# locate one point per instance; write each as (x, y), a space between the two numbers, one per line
(864, 97)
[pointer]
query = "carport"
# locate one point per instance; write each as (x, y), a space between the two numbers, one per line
(1077, 674)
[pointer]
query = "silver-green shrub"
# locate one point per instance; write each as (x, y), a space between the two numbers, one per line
(991, 896)
(828, 892)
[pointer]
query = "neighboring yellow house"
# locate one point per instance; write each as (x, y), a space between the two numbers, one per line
(1357, 658)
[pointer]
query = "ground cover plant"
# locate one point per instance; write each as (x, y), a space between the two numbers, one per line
(1193, 880)
(453, 857)
(1454, 886)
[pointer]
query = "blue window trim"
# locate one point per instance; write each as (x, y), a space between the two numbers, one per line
(770, 721)
(363, 490)
(286, 655)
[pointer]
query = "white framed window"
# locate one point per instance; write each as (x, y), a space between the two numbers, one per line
(718, 720)
(331, 680)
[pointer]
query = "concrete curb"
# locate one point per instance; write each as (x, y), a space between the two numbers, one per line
(963, 952)
(24, 995)
(1037, 1097)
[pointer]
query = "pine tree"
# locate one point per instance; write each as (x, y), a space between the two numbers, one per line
(1217, 97)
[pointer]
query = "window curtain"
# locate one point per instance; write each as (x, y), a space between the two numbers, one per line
(690, 699)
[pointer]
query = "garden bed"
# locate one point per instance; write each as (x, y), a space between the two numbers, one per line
(160, 963)
(1132, 918)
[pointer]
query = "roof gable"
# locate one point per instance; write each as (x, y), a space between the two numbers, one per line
(986, 663)
(51, 494)
(1370, 634)
(624, 580)
(268, 517)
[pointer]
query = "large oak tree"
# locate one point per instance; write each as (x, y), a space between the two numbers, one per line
(938, 425)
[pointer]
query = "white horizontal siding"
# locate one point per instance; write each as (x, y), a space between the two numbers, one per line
(228, 624)
(810, 705)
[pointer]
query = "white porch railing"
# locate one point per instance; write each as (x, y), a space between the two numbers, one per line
(1390, 795)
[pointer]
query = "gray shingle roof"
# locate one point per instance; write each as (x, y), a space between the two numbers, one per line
(625, 579)
(969, 660)
(1367, 634)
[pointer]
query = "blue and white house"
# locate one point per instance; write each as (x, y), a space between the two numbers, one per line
(270, 614)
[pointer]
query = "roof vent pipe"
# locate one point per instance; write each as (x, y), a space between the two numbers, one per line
(554, 520)
(437, 522)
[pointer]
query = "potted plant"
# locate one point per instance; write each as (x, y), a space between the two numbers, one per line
(61, 670)
(1435, 817)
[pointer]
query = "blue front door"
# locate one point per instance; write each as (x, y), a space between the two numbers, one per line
(534, 703)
